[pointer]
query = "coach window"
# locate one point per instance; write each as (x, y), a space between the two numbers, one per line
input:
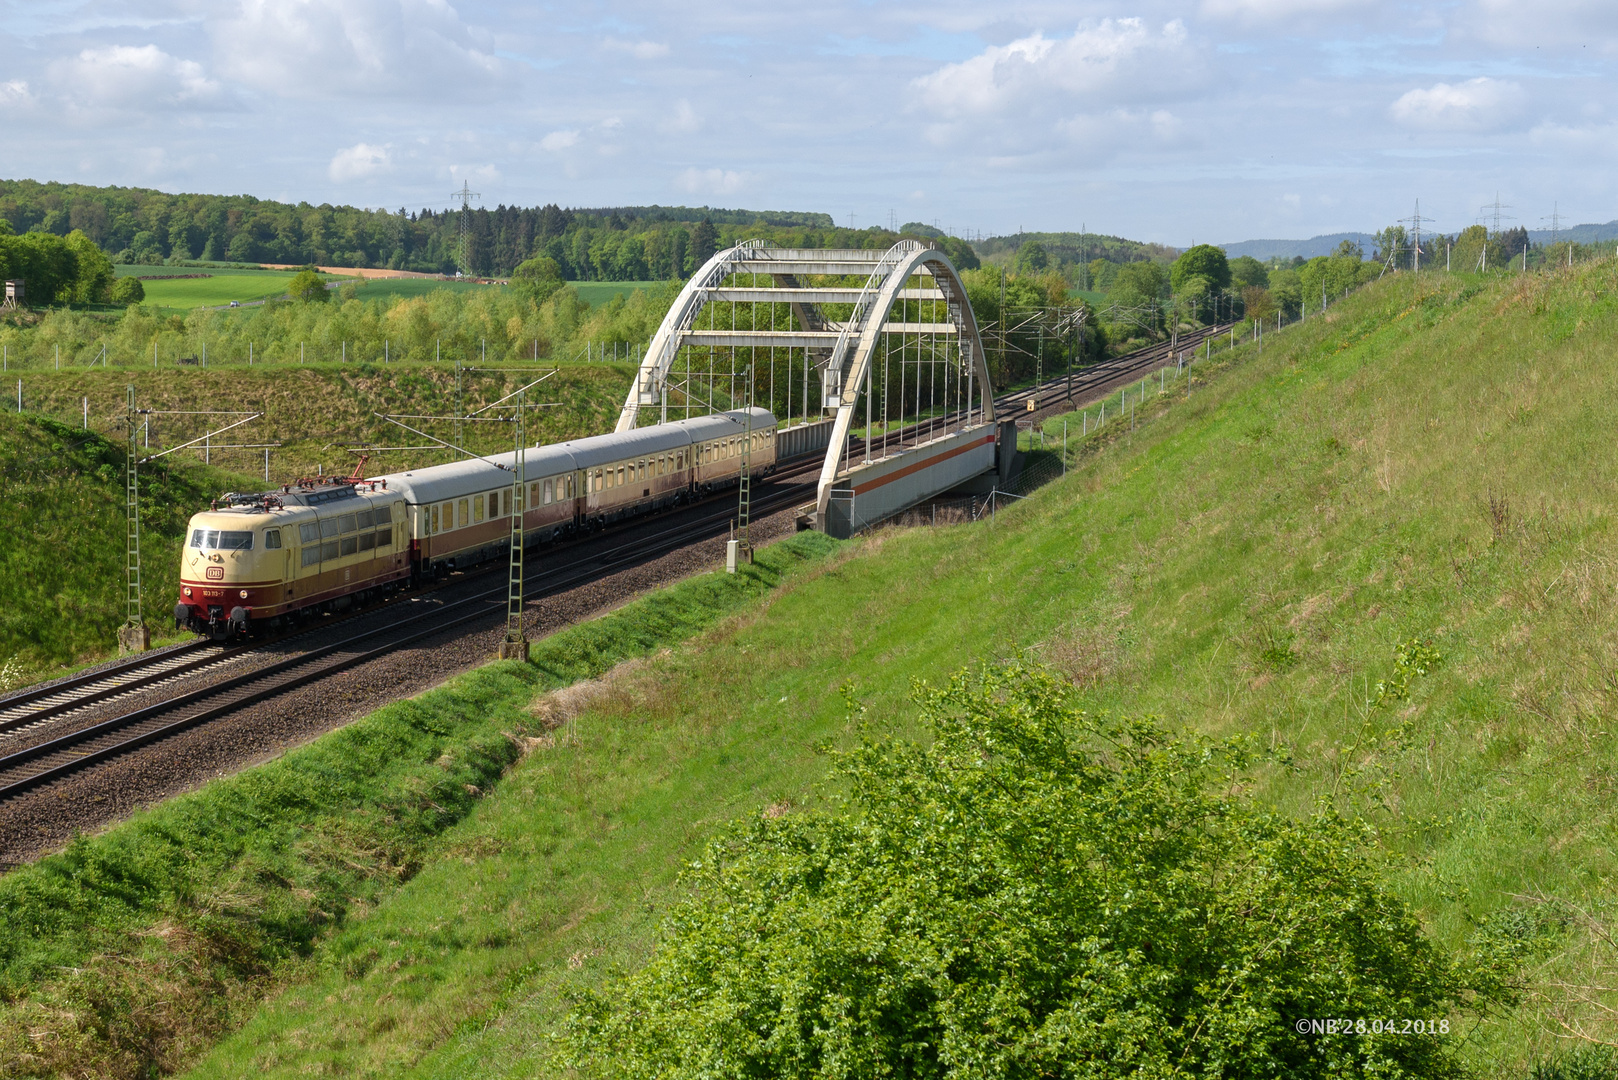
(272, 539)
(461, 513)
(494, 505)
(433, 528)
(548, 492)
(621, 479)
(477, 508)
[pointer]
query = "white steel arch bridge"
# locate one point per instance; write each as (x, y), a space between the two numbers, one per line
(835, 339)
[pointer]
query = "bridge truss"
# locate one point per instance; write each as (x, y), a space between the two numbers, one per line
(869, 338)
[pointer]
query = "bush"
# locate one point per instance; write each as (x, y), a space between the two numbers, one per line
(1038, 892)
(127, 290)
(307, 285)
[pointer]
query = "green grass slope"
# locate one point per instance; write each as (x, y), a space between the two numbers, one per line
(122, 956)
(1383, 548)
(62, 562)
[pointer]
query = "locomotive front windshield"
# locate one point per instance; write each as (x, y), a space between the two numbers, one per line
(221, 540)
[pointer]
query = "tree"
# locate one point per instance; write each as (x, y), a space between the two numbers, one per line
(1392, 243)
(1032, 258)
(1030, 890)
(537, 279)
(306, 285)
(1246, 270)
(1139, 286)
(703, 240)
(1205, 261)
(127, 290)
(45, 262)
(92, 270)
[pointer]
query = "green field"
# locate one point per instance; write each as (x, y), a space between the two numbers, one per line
(247, 286)
(243, 286)
(600, 292)
(405, 288)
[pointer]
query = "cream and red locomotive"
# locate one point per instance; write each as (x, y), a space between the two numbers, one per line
(322, 545)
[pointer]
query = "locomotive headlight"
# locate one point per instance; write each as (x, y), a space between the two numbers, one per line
(242, 594)
(186, 590)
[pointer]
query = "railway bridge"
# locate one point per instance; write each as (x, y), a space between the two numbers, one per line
(834, 339)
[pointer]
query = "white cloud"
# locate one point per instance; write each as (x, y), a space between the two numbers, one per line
(559, 140)
(686, 119)
(357, 162)
(15, 93)
(1101, 62)
(134, 77)
(1262, 11)
(1480, 104)
(640, 50)
(316, 49)
(713, 181)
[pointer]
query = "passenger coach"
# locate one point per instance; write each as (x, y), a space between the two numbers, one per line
(321, 545)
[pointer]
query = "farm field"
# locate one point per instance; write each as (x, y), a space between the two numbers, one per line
(405, 288)
(596, 293)
(183, 294)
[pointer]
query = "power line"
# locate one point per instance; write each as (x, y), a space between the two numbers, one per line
(466, 195)
(1556, 223)
(1416, 221)
(1493, 210)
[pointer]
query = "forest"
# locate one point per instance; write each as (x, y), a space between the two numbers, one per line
(632, 243)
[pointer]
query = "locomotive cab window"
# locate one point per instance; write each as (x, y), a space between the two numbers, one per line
(272, 539)
(222, 540)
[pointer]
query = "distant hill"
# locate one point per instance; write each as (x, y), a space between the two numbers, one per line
(1581, 234)
(1264, 250)
(1066, 248)
(624, 243)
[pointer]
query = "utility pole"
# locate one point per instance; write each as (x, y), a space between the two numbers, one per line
(133, 636)
(740, 549)
(1416, 222)
(515, 647)
(1556, 231)
(466, 195)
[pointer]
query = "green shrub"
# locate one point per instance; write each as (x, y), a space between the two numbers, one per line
(1038, 892)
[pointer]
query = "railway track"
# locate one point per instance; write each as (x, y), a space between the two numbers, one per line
(126, 676)
(54, 758)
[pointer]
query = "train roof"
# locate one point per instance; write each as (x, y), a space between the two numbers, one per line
(482, 474)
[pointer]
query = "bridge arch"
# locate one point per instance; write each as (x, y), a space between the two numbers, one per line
(910, 277)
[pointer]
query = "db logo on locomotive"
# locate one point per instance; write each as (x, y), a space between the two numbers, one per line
(216, 573)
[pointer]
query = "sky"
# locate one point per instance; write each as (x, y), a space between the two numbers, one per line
(1214, 121)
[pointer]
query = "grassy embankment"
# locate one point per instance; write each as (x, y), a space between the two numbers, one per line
(62, 565)
(125, 954)
(1429, 462)
(61, 595)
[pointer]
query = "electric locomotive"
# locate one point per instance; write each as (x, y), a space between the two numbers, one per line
(324, 544)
